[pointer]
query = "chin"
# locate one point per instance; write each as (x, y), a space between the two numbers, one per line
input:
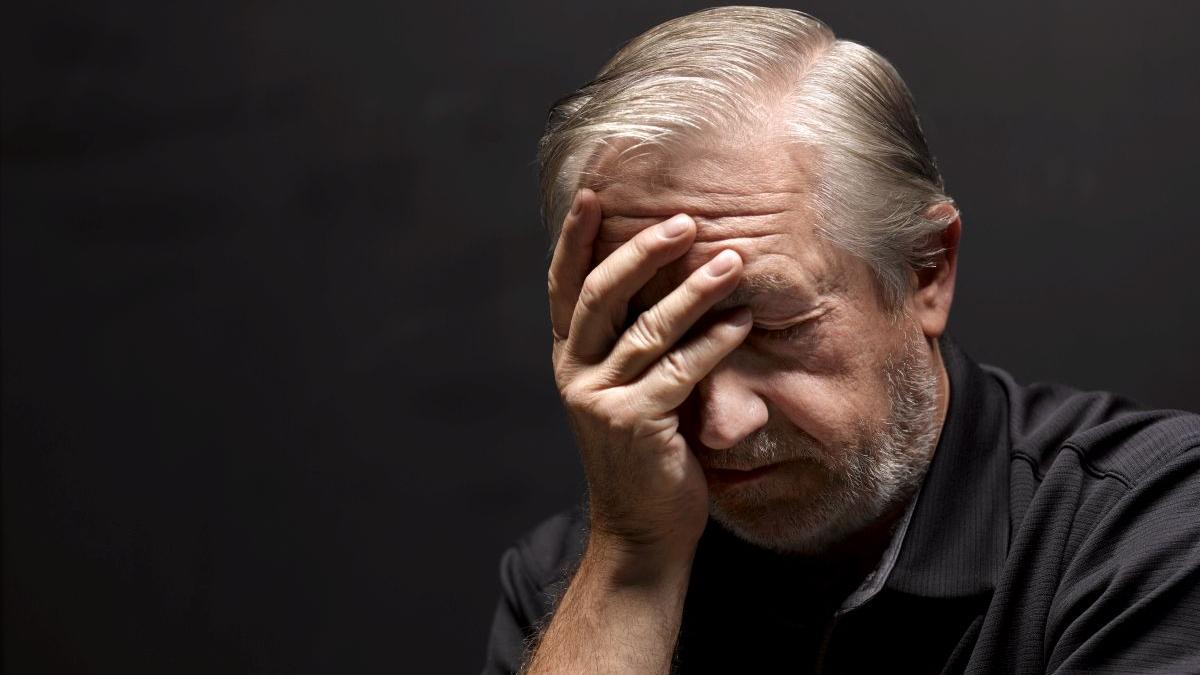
(801, 510)
(782, 532)
(805, 509)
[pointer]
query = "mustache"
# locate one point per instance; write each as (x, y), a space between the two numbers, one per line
(763, 447)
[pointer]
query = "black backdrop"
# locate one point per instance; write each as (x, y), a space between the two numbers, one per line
(276, 387)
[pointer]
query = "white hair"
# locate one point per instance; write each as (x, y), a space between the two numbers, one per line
(728, 71)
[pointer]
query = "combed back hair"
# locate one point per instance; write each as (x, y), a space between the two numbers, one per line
(727, 71)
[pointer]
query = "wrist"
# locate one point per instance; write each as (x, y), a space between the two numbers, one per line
(621, 564)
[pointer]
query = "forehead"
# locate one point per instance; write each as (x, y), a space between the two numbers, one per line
(753, 197)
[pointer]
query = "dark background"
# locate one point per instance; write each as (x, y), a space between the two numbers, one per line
(276, 385)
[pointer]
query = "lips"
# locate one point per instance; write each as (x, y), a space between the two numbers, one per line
(728, 477)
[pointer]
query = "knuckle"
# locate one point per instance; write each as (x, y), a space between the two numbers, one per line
(676, 367)
(587, 303)
(591, 294)
(646, 331)
(706, 342)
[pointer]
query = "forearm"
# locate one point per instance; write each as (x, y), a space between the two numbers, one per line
(622, 387)
(618, 615)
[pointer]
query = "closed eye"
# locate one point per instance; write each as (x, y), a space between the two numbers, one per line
(802, 329)
(793, 332)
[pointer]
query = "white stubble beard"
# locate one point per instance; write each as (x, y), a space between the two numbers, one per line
(857, 484)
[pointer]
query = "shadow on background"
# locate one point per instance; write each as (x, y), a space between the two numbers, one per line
(276, 384)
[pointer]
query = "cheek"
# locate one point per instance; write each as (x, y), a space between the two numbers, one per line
(827, 409)
(829, 396)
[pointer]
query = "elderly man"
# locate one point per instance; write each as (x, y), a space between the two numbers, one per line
(789, 467)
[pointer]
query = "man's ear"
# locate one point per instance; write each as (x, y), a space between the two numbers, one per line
(934, 291)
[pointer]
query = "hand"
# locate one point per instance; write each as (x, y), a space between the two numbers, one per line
(621, 387)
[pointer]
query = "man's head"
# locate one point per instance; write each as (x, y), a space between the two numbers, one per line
(804, 154)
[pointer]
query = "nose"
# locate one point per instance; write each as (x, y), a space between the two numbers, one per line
(728, 408)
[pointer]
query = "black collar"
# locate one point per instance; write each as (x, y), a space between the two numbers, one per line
(957, 539)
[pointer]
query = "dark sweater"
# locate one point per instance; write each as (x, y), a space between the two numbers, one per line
(1055, 531)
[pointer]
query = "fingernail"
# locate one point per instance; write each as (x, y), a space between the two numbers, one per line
(576, 203)
(720, 265)
(676, 226)
(740, 318)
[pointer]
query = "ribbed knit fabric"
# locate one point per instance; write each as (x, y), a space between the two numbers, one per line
(1056, 531)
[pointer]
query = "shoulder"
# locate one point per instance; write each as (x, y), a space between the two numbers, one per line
(1109, 435)
(1105, 506)
(553, 546)
(1132, 577)
(539, 562)
(532, 573)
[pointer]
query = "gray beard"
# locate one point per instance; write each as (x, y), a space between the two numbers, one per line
(858, 484)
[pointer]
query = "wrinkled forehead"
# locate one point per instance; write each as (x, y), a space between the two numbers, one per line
(754, 197)
(730, 174)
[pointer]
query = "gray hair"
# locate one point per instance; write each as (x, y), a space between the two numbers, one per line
(725, 70)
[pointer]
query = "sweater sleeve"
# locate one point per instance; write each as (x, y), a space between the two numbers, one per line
(513, 624)
(533, 574)
(1130, 600)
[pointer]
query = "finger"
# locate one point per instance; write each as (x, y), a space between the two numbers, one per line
(572, 259)
(604, 297)
(657, 329)
(670, 381)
